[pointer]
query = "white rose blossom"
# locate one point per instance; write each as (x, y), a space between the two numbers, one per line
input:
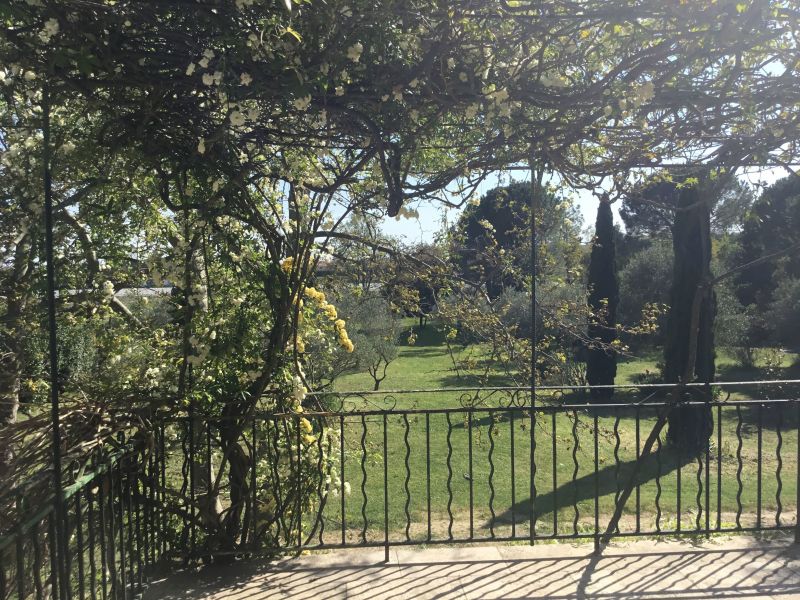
(237, 118)
(50, 29)
(354, 52)
(302, 103)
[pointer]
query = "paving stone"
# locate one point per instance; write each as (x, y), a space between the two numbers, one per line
(740, 568)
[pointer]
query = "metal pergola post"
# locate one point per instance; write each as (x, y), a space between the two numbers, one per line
(59, 549)
(537, 173)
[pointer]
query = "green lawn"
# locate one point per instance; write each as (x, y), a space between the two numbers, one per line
(560, 485)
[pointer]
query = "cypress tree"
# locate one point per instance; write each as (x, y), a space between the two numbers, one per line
(690, 426)
(601, 360)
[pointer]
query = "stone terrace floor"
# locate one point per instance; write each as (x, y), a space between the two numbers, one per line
(738, 567)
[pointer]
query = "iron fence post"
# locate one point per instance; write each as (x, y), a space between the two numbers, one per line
(385, 489)
(596, 487)
(20, 549)
(59, 548)
(797, 500)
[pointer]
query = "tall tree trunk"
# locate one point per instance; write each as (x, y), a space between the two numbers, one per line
(11, 336)
(691, 426)
(10, 377)
(601, 360)
(10, 364)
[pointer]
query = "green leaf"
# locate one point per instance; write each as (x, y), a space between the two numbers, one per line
(292, 32)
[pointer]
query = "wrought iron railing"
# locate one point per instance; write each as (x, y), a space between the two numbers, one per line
(113, 515)
(383, 470)
(411, 474)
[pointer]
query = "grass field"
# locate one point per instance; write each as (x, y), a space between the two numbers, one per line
(498, 481)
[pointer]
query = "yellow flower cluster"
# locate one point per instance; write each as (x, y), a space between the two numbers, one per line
(330, 312)
(287, 264)
(344, 339)
(307, 429)
(315, 294)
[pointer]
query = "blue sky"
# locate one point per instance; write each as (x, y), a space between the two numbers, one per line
(433, 216)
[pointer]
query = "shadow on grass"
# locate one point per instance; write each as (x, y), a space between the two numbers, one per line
(423, 352)
(469, 380)
(606, 481)
(427, 335)
(502, 414)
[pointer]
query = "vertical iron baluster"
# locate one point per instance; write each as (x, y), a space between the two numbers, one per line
(163, 488)
(142, 510)
(101, 509)
(617, 444)
(708, 396)
(184, 487)
(658, 479)
(532, 411)
(292, 425)
(79, 544)
(449, 477)
(758, 467)
(575, 444)
(513, 477)
(54, 566)
(797, 473)
(209, 474)
(123, 555)
(112, 535)
(385, 488)
(192, 489)
(779, 481)
(638, 479)
(364, 477)
(273, 427)
(37, 562)
(151, 504)
(679, 492)
(555, 473)
(66, 562)
(38, 565)
(20, 548)
(739, 467)
(253, 479)
(299, 485)
(471, 477)
(719, 466)
(491, 473)
(128, 504)
(321, 473)
(128, 499)
(428, 468)
(137, 515)
(92, 545)
(408, 477)
(144, 506)
(698, 498)
(341, 473)
(596, 485)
